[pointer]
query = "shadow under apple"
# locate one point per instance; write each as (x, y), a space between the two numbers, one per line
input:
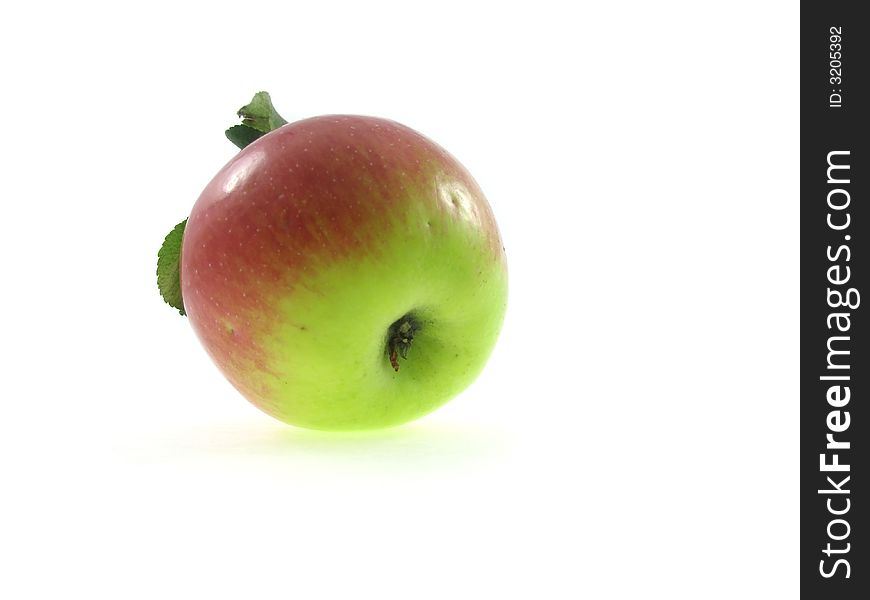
(420, 446)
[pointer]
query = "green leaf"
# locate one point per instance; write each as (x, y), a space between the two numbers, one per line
(242, 135)
(168, 268)
(260, 114)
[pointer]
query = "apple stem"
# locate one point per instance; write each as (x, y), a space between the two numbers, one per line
(400, 335)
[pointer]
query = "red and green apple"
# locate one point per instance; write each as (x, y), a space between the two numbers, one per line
(344, 272)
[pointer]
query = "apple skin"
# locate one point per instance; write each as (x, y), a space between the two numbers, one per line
(311, 242)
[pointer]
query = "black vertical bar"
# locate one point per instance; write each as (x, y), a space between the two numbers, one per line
(834, 370)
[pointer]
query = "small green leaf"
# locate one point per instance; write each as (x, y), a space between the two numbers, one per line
(168, 268)
(242, 135)
(260, 114)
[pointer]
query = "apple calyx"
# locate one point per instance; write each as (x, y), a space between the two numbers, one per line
(400, 335)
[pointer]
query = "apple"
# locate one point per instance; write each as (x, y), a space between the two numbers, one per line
(344, 272)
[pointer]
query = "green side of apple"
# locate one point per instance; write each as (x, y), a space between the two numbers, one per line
(328, 365)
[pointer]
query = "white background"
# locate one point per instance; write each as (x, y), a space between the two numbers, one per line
(635, 432)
